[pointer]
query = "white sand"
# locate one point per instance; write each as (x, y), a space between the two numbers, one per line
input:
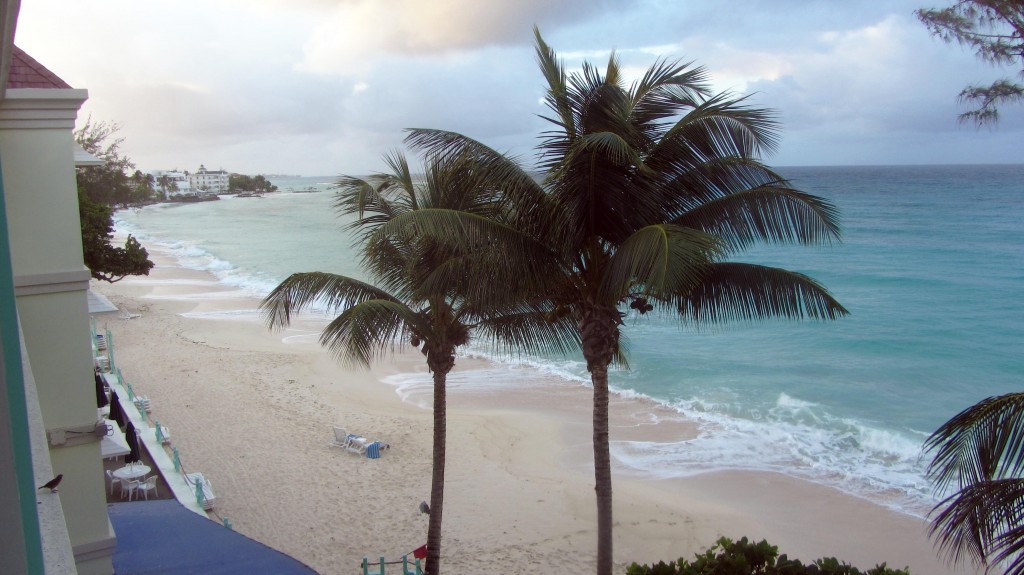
(253, 410)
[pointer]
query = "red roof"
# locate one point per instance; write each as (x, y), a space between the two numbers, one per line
(27, 73)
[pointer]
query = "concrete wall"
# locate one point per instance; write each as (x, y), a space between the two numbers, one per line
(50, 284)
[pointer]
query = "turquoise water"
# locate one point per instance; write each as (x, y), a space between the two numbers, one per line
(931, 267)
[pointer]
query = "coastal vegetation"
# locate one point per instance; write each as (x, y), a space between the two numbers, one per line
(979, 458)
(994, 29)
(100, 189)
(728, 557)
(240, 183)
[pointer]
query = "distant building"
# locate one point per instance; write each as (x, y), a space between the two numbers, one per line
(210, 181)
(173, 184)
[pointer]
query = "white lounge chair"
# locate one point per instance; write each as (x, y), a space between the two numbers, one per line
(162, 433)
(340, 438)
(357, 443)
(142, 402)
(197, 478)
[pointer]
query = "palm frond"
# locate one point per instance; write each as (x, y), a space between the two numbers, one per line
(666, 90)
(367, 330)
(402, 175)
(983, 523)
(458, 231)
(531, 330)
(660, 260)
(981, 443)
(773, 212)
(731, 291)
(721, 127)
(554, 72)
(498, 174)
(300, 290)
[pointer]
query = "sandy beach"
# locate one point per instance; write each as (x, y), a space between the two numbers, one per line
(253, 411)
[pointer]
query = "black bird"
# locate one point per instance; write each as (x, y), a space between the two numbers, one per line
(424, 508)
(53, 483)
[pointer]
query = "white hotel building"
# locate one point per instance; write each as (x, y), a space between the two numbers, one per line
(209, 181)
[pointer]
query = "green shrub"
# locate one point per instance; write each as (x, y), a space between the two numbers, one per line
(727, 557)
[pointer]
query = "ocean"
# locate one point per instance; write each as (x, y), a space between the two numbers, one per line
(931, 266)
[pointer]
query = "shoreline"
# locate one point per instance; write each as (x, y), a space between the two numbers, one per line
(253, 410)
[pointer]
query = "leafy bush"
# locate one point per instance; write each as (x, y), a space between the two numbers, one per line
(742, 557)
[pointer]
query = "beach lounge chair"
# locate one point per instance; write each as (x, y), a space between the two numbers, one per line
(196, 479)
(357, 443)
(162, 434)
(340, 438)
(142, 403)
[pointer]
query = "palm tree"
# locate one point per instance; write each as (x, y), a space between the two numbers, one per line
(424, 297)
(646, 191)
(979, 454)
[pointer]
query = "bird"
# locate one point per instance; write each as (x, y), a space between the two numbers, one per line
(53, 483)
(424, 508)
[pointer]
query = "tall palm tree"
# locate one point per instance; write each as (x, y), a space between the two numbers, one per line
(979, 455)
(646, 191)
(424, 298)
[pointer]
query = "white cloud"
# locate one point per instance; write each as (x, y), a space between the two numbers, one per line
(326, 86)
(356, 34)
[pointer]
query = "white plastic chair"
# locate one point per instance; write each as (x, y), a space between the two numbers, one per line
(112, 481)
(131, 487)
(147, 486)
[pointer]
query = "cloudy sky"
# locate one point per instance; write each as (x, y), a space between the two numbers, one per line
(325, 87)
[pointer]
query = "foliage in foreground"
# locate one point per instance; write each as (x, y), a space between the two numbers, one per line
(979, 459)
(728, 557)
(994, 29)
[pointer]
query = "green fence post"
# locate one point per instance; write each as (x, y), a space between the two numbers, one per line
(110, 350)
(177, 460)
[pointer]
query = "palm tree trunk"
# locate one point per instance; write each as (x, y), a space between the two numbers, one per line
(602, 470)
(599, 331)
(440, 370)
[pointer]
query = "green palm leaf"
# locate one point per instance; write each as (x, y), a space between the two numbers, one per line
(981, 443)
(300, 290)
(366, 331)
(661, 260)
(731, 291)
(983, 523)
(772, 213)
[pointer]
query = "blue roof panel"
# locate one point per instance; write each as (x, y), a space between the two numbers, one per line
(162, 537)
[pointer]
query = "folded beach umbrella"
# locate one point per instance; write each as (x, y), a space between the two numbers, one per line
(101, 395)
(115, 410)
(133, 444)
